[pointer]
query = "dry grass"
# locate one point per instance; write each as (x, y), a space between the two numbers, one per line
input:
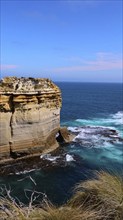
(10, 210)
(49, 212)
(108, 187)
(104, 195)
(63, 213)
(97, 199)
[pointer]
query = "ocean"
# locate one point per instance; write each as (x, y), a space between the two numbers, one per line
(93, 112)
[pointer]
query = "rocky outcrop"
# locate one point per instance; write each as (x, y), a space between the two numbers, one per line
(29, 115)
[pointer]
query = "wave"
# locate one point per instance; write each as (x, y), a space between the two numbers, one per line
(62, 157)
(49, 157)
(98, 137)
(69, 158)
(24, 172)
(92, 136)
(112, 120)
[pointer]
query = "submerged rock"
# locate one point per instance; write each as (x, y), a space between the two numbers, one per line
(93, 136)
(47, 161)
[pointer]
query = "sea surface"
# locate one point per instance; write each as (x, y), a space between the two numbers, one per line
(93, 112)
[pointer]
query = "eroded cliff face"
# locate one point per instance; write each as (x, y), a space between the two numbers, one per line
(29, 115)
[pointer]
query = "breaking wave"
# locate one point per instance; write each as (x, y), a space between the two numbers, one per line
(62, 157)
(49, 157)
(99, 140)
(111, 120)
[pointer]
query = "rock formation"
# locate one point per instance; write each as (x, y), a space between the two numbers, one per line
(29, 115)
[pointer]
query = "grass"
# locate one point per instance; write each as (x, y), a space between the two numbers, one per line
(63, 213)
(96, 199)
(10, 210)
(104, 195)
(49, 212)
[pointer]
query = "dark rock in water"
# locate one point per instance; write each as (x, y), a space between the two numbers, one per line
(113, 131)
(120, 139)
(57, 158)
(92, 136)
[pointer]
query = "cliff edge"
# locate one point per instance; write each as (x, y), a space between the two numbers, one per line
(29, 115)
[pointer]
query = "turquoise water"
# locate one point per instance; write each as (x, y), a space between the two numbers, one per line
(94, 113)
(98, 150)
(92, 107)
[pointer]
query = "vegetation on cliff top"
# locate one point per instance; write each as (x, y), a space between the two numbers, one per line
(23, 84)
(97, 199)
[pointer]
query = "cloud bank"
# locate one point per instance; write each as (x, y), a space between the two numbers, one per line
(103, 61)
(8, 66)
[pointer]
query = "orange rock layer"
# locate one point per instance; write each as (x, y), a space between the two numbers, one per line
(29, 114)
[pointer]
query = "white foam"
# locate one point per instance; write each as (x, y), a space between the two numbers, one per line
(95, 136)
(69, 158)
(103, 134)
(114, 119)
(74, 129)
(57, 135)
(49, 157)
(118, 115)
(24, 172)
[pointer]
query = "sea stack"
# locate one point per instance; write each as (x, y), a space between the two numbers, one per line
(29, 115)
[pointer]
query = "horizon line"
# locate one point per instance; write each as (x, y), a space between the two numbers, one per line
(85, 82)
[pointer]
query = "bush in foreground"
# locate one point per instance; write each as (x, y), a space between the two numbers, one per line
(104, 195)
(49, 212)
(97, 199)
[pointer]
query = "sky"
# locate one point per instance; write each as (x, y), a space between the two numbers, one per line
(66, 40)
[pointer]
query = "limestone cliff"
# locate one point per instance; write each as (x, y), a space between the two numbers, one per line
(29, 115)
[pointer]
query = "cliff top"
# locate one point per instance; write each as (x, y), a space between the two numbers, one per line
(26, 85)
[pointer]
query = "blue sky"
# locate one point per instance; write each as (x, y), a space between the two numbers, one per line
(62, 40)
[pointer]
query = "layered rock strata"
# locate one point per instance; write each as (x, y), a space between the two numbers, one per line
(29, 115)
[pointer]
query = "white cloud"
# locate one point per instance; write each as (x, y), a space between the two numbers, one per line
(8, 66)
(103, 61)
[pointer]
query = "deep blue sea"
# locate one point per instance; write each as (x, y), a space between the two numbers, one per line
(94, 113)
